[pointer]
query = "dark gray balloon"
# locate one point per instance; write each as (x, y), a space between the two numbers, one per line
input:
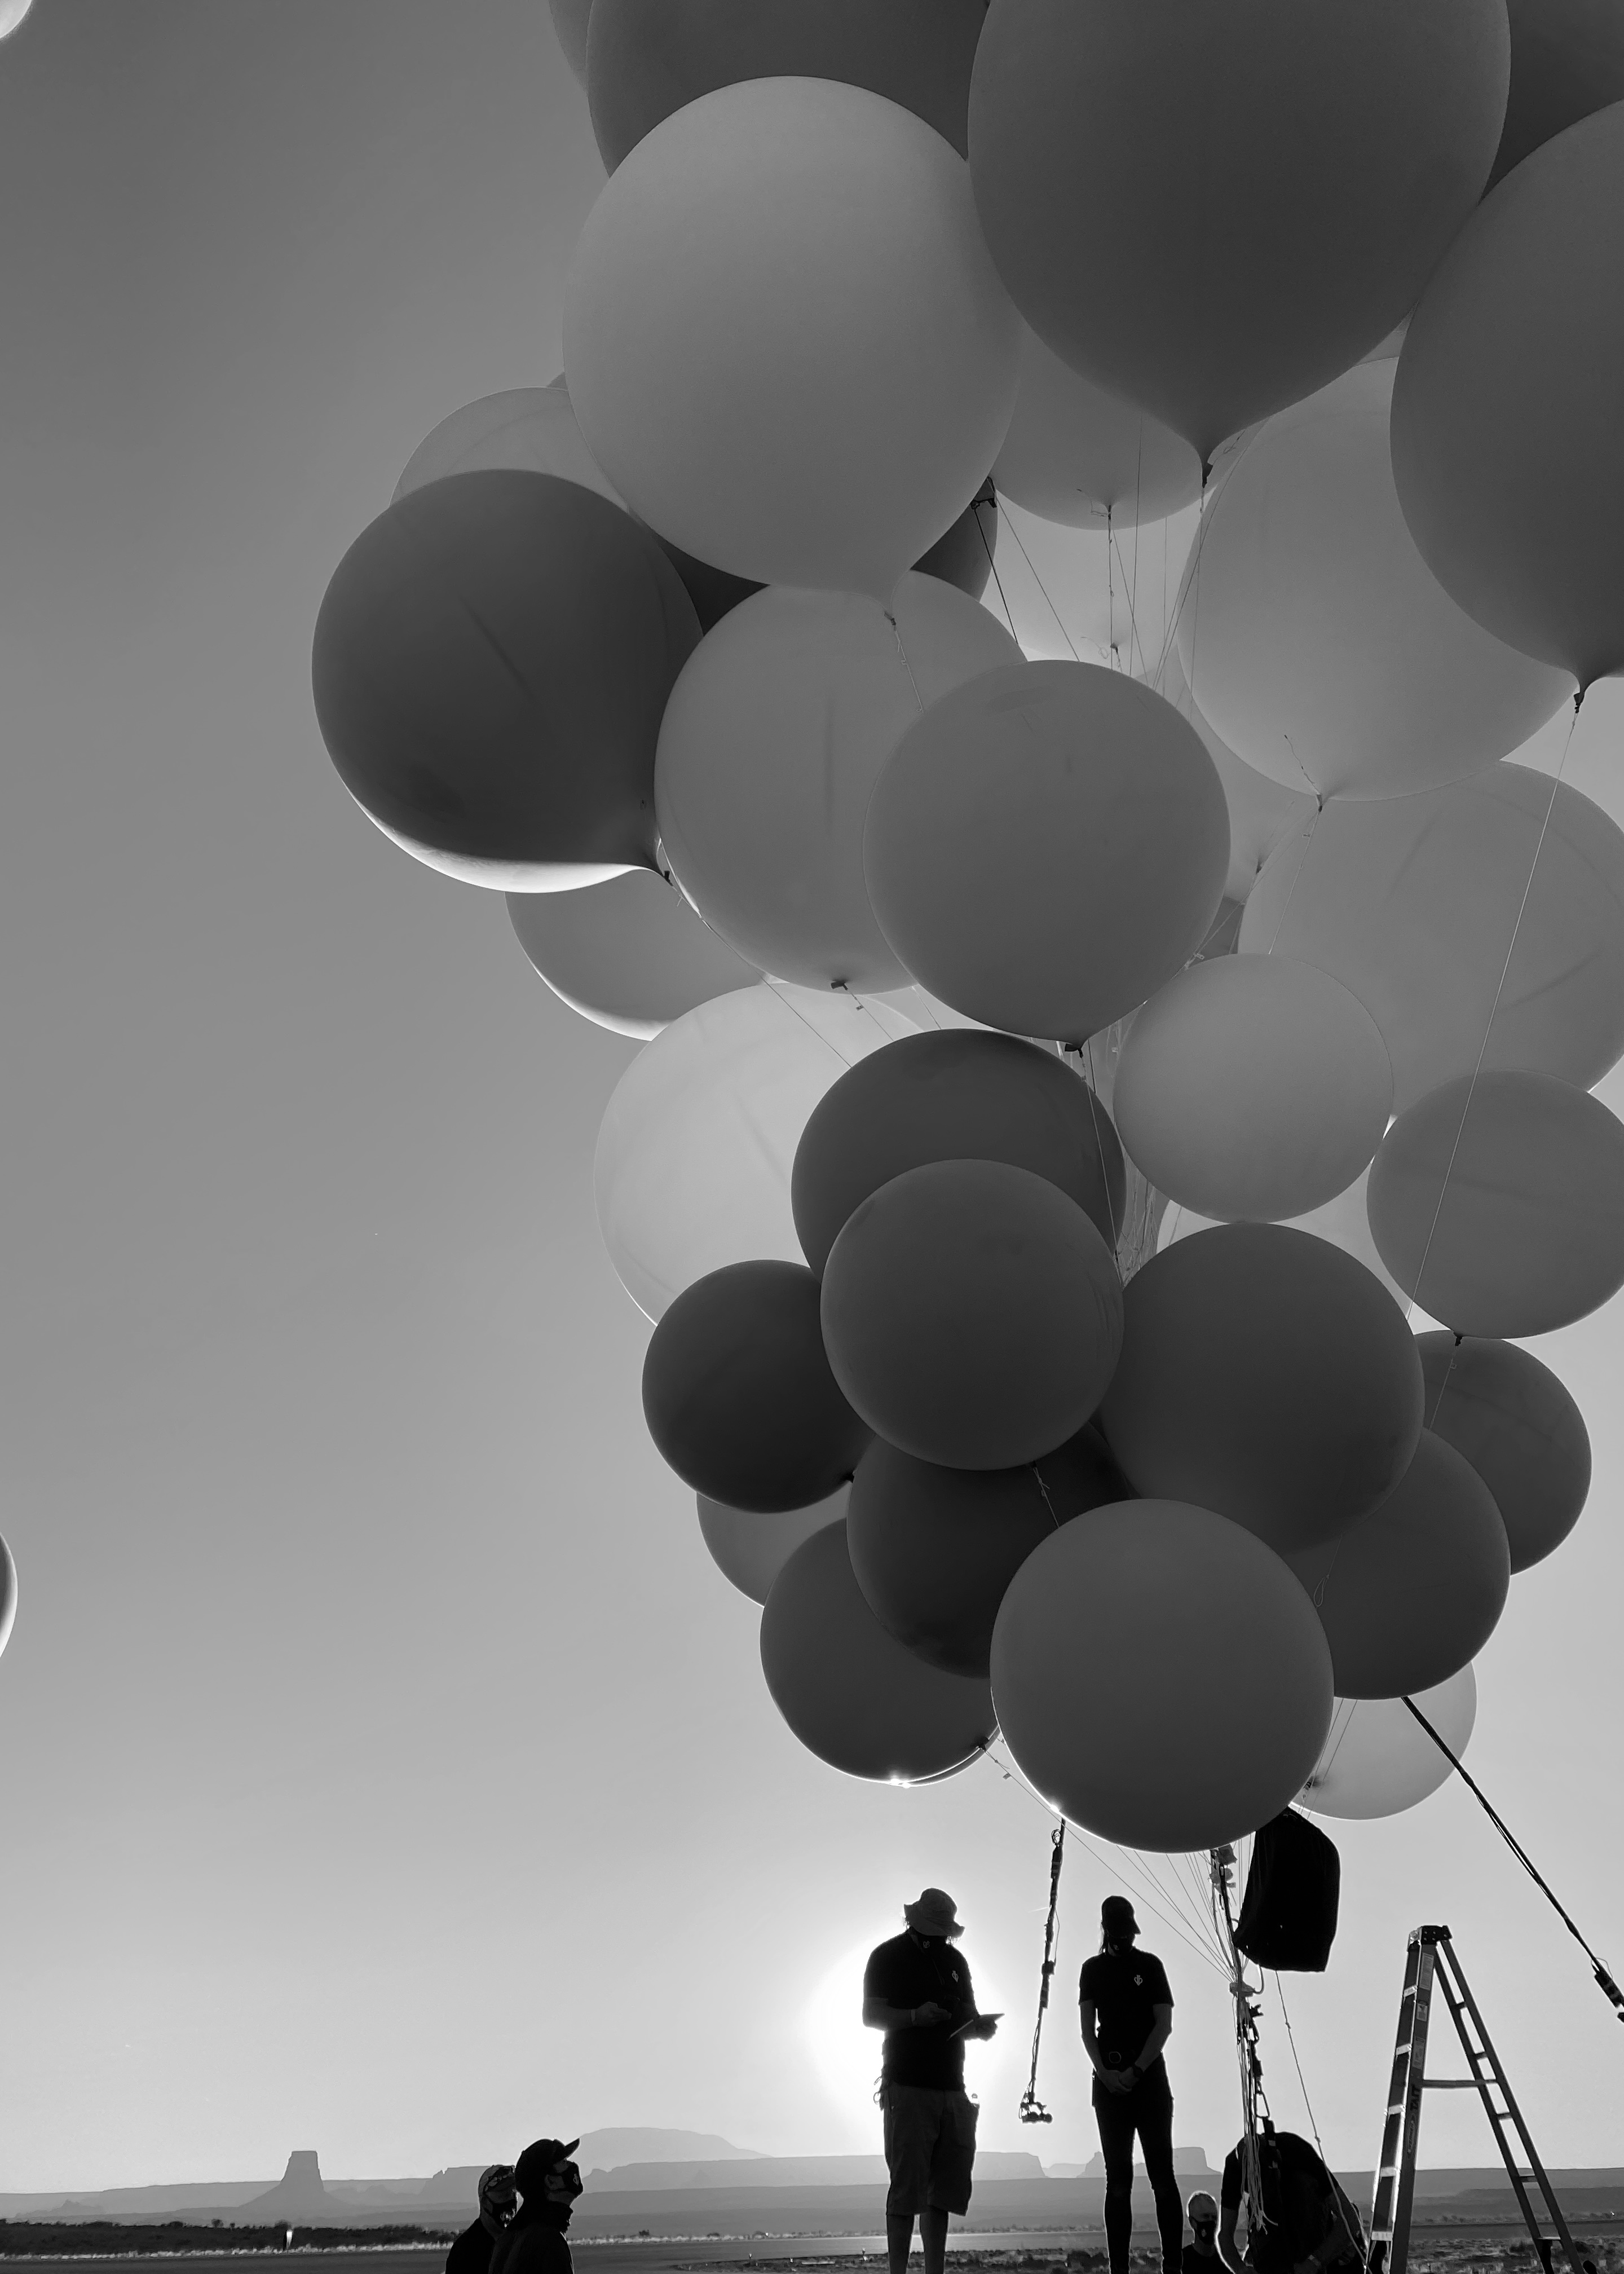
(964, 555)
(1505, 423)
(1213, 209)
(646, 59)
(935, 1548)
(850, 1692)
(1567, 61)
(1520, 1430)
(972, 1314)
(491, 665)
(946, 1096)
(1412, 1593)
(738, 1394)
(1046, 846)
(1268, 1377)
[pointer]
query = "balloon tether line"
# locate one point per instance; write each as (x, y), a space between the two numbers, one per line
(1505, 972)
(1042, 587)
(993, 566)
(1608, 1986)
(1297, 2064)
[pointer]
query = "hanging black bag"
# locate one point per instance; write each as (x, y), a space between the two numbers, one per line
(1288, 1912)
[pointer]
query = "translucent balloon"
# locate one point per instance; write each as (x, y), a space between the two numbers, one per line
(1074, 454)
(852, 1693)
(1046, 846)
(692, 1164)
(935, 1548)
(529, 429)
(1329, 655)
(1413, 902)
(1567, 61)
(959, 1095)
(1222, 1736)
(1253, 1087)
(647, 58)
(1498, 1203)
(1520, 1430)
(1259, 195)
(1344, 1222)
(630, 955)
(1378, 1761)
(1412, 1593)
(785, 344)
(1263, 814)
(1505, 410)
(1272, 1374)
(751, 1548)
(973, 1314)
(771, 744)
(738, 1394)
(490, 662)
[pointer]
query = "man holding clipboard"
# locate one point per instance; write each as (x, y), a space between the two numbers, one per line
(917, 1989)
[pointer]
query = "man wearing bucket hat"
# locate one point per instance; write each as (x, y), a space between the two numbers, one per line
(917, 1989)
(1127, 2016)
(548, 2180)
(470, 2253)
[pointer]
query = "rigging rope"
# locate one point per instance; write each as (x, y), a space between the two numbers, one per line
(1031, 2109)
(1609, 1988)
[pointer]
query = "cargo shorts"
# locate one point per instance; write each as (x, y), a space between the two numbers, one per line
(930, 2148)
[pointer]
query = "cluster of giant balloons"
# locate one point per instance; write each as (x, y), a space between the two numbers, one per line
(1058, 1080)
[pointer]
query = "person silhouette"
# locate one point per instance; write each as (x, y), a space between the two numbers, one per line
(1126, 2009)
(470, 2253)
(548, 2180)
(917, 1989)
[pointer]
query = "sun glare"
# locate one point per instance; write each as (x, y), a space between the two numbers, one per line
(846, 2056)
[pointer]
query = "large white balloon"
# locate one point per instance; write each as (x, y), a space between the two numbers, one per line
(694, 1156)
(785, 341)
(1074, 454)
(1344, 1222)
(11, 14)
(1413, 902)
(629, 954)
(1318, 640)
(1377, 1760)
(1263, 814)
(1253, 1087)
(531, 428)
(772, 741)
(751, 1548)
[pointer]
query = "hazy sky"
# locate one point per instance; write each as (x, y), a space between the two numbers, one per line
(385, 1768)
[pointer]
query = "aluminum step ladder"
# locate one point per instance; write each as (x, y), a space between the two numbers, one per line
(1431, 1960)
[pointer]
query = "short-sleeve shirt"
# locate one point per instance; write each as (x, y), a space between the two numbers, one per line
(1125, 1988)
(906, 1973)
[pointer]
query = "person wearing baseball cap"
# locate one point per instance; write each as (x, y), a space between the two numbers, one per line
(917, 1989)
(470, 2253)
(1126, 2008)
(548, 2180)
